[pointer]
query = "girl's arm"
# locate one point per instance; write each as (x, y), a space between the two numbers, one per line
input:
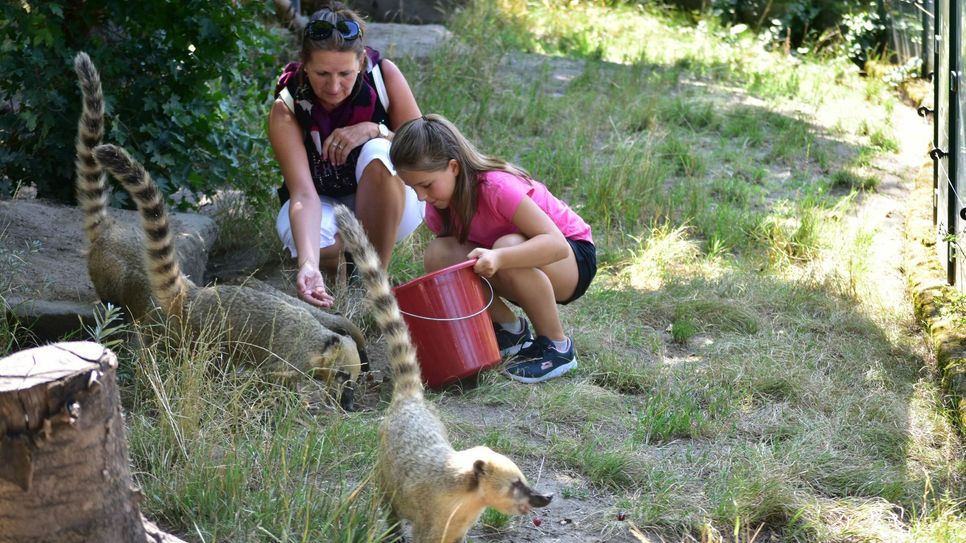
(545, 243)
(305, 212)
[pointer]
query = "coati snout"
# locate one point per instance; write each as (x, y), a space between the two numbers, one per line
(539, 500)
(525, 497)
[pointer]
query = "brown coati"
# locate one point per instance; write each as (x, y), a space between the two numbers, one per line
(442, 491)
(114, 248)
(333, 321)
(114, 253)
(282, 339)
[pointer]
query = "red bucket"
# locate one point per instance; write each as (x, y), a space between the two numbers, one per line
(448, 322)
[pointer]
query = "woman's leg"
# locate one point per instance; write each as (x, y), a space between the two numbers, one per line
(380, 200)
(330, 258)
(330, 251)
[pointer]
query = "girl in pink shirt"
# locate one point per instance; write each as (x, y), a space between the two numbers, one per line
(534, 249)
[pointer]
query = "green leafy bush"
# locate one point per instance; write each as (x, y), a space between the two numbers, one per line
(186, 85)
(854, 26)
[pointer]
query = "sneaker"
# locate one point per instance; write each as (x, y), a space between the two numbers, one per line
(539, 361)
(510, 343)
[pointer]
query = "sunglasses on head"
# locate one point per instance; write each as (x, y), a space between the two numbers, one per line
(320, 30)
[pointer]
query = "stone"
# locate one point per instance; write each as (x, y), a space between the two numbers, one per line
(43, 264)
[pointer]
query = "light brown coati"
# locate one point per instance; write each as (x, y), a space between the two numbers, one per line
(442, 491)
(114, 253)
(282, 339)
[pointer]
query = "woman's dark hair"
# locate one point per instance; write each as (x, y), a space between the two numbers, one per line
(333, 13)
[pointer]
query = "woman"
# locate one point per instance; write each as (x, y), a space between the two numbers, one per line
(330, 128)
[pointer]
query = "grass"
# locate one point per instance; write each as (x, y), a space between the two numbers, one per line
(738, 375)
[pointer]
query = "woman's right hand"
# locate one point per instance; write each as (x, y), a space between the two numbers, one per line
(311, 286)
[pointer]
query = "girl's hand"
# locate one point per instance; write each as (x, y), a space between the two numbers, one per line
(342, 141)
(487, 261)
(311, 286)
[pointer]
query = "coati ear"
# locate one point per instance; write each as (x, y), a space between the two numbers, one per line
(473, 478)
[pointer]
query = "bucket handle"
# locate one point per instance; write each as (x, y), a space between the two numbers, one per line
(448, 319)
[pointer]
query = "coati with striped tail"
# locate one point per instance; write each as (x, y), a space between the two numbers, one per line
(114, 260)
(282, 339)
(115, 252)
(442, 491)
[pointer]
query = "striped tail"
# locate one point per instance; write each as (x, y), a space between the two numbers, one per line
(402, 355)
(291, 16)
(167, 283)
(91, 183)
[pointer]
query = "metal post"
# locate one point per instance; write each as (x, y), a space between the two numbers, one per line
(936, 64)
(955, 71)
(928, 58)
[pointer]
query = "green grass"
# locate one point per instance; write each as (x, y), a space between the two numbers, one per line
(738, 376)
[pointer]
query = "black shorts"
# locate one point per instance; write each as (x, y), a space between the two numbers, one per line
(586, 254)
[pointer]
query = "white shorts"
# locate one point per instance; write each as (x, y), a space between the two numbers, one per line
(374, 149)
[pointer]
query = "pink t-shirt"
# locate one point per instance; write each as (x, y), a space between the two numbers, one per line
(500, 195)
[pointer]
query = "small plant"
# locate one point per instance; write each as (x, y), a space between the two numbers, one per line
(669, 415)
(108, 325)
(849, 179)
(682, 329)
(491, 518)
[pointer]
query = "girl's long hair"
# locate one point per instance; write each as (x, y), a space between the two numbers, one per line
(427, 144)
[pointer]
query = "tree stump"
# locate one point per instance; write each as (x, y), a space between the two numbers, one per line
(64, 469)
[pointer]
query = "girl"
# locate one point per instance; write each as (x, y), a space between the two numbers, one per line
(330, 128)
(536, 251)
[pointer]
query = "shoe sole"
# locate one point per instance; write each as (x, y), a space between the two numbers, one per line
(545, 377)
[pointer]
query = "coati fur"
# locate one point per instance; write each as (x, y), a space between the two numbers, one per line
(114, 252)
(333, 321)
(296, 20)
(282, 339)
(442, 491)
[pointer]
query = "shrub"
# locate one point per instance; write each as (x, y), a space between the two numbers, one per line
(172, 74)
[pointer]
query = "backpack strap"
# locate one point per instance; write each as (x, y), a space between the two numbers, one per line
(286, 97)
(380, 84)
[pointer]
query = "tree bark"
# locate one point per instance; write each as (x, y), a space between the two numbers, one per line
(64, 472)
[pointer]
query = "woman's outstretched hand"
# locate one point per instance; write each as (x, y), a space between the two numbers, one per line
(311, 286)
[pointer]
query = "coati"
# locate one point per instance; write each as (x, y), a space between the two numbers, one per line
(333, 321)
(284, 340)
(442, 491)
(114, 260)
(115, 251)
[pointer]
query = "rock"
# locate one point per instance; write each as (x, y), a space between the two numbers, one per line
(394, 40)
(404, 11)
(43, 265)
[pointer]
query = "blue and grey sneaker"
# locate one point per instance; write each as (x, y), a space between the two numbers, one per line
(540, 361)
(510, 343)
